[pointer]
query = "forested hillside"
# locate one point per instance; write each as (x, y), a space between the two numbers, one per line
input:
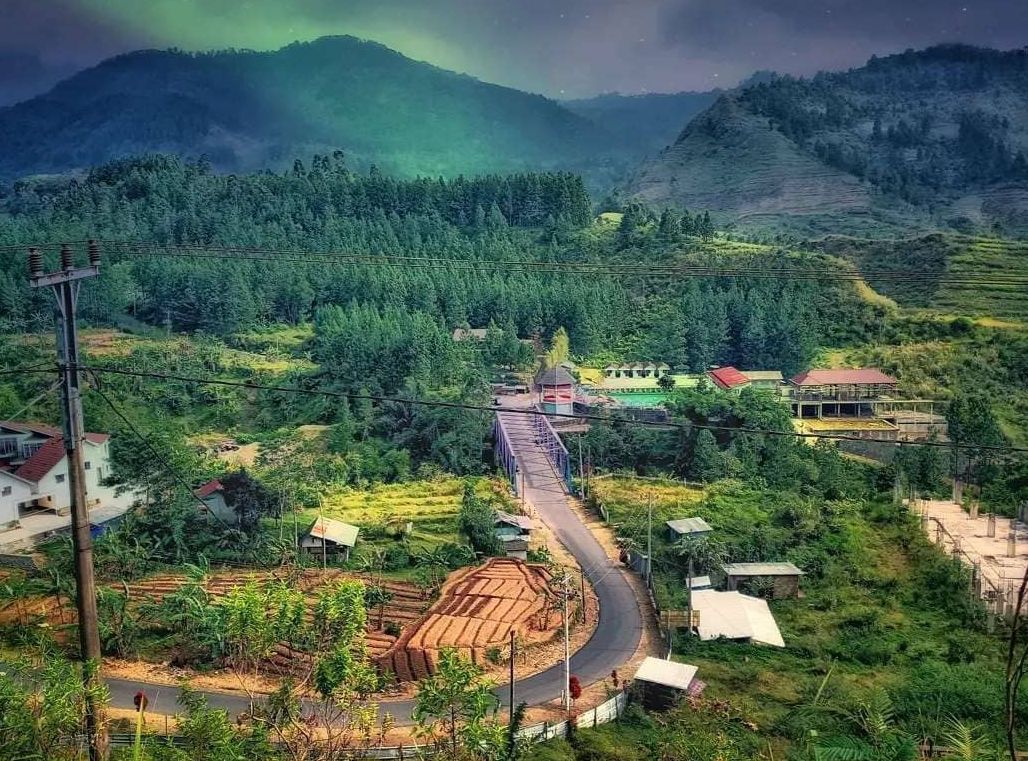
(524, 220)
(936, 134)
(248, 110)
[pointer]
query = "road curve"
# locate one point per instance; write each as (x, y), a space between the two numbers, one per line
(613, 642)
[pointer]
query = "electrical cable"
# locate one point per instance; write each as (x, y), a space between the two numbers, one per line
(535, 413)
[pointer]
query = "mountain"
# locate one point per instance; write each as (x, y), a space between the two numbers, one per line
(644, 123)
(938, 135)
(248, 110)
(23, 75)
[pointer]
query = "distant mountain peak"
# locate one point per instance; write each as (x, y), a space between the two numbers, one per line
(936, 135)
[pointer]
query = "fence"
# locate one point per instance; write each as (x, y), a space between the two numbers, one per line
(605, 712)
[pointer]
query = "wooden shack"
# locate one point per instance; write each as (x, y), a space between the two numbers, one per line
(784, 577)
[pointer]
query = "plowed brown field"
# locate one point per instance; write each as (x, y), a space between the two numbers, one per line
(476, 611)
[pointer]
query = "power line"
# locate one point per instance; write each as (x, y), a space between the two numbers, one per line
(168, 467)
(572, 416)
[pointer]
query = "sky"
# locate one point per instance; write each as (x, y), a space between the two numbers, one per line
(561, 48)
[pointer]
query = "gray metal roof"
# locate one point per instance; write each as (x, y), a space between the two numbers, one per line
(554, 376)
(762, 569)
(521, 521)
(334, 531)
(689, 525)
(666, 673)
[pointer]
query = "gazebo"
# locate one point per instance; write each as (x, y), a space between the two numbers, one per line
(556, 391)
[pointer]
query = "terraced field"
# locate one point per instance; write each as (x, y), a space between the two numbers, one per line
(406, 606)
(476, 611)
(986, 256)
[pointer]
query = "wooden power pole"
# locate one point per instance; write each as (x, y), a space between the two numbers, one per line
(65, 286)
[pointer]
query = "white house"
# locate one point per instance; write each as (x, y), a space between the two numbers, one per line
(34, 473)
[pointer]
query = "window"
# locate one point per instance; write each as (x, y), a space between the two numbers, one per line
(59, 478)
(27, 450)
(87, 466)
(8, 446)
(5, 492)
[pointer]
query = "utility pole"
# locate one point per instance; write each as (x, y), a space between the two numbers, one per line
(65, 287)
(513, 651)
(649, 541)
(565, 594)
(581, 467)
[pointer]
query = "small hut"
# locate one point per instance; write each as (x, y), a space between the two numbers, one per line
(330, 537)
(784, 577)
(695, 528)
(661, 684)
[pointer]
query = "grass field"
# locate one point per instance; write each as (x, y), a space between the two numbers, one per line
(882, 610)
(430, 506)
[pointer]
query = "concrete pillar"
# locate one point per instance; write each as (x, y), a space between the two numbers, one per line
(1011, 543)
(974, 510)
(990, 526)
(956, 546)
(958, 490)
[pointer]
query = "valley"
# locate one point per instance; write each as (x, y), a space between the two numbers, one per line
(397, 386)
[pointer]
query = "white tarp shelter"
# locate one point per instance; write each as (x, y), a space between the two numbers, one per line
(733, 615)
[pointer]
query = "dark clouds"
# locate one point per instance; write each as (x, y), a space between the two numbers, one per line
(570, 48)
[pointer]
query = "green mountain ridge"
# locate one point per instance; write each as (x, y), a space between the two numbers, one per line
(922, 138)
(248, 110)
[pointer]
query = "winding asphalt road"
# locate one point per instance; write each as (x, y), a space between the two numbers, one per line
(613, 642)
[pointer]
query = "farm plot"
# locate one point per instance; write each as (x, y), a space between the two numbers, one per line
(405, 605)
(476, 611)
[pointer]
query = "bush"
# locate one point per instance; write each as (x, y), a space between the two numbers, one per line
(396, 557)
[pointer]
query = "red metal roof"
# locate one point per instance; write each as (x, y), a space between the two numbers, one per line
(208, 489)
(96, 438)
(864, 376)
(727, 377)
(43, 461)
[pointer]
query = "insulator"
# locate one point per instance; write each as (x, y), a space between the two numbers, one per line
(35, 262)
(67, 257)
(94, 254)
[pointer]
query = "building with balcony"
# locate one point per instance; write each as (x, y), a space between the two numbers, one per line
(840, 393)
(34, 476)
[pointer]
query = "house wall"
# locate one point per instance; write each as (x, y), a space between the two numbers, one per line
(20, 492)
(55, 486)
(220, 510)
(782, 587)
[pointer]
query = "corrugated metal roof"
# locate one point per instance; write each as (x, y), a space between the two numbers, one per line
(734, 615)
(208, 489)
(863, 376)
(689, 525)
(762, 569)
(521, 521)
(666, 673)
(764, 375)
(334, 531)
(701, 582)
(554, 376)
(31, 427)
(727, 377)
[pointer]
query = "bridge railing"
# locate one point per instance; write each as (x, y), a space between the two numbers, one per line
(505, 456)
(555, 450)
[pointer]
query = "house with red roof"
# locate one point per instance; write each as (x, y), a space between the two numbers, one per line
(731, 379)
(34, 473)
(840, 392)
(212, 494)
